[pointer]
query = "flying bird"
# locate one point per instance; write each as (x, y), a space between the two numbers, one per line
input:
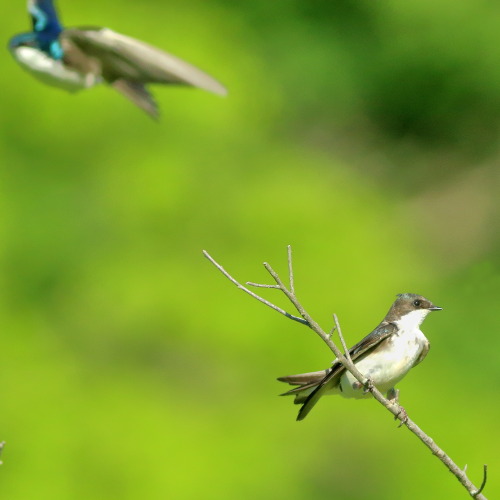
(79, 58)
(384, 356)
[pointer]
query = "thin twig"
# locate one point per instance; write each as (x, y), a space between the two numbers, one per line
(349, 365)
(290, 269)
(314, 326)
(483, 484)
(261, 285)
(254, 295)
(341, 337)
(332, 331)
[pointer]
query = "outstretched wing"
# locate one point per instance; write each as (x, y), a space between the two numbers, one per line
(123, 57)
(365, 345)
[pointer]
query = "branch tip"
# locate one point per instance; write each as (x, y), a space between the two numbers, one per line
(254, 295)
(290, 270)
(341, 337)
(332, 331)
(483, 484)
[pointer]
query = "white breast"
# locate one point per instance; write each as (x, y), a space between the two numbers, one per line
(51, 71)
(391, 362)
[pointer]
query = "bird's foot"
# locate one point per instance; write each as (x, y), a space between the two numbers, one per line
(401, 415)
(393, 397)
(367, 386)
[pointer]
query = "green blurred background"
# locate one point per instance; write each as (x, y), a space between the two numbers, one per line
(366, 135)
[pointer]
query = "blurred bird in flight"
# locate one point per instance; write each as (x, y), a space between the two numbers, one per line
(79, 58)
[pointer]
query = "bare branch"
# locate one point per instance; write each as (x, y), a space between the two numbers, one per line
(254, 295)
(346, 361)
(483, 484)
(309, 320)
(260, 285)
(341, 337)
(290, 269)
(332, 331)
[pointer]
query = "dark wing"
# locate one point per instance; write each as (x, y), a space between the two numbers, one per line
(331, 380)
(138, 94)
(123, 57)
(380, 333)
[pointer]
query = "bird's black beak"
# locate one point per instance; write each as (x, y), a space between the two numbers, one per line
(435, 308)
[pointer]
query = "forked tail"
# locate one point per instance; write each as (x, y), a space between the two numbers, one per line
(305, 384)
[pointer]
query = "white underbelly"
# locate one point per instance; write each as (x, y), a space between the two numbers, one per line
(385, 366)
(53, 72)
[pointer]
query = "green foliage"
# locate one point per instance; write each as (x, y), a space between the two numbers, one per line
(353, 131)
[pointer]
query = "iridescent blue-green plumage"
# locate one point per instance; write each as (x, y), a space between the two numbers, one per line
(79, 58)
(46, 26)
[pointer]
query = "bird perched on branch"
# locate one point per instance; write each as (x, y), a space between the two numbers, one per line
(78, 58)
(384, 356)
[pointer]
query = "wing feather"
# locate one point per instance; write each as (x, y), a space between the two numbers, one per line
(127, 58)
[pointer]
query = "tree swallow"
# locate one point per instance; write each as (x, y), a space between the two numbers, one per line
(384, 356)
(79, 58)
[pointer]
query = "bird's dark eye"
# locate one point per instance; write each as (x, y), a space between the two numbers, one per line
(417, 303)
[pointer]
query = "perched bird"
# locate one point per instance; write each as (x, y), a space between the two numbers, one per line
(78, 58)
(384, 356)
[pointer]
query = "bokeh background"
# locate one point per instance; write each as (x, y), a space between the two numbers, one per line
(366, 135)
